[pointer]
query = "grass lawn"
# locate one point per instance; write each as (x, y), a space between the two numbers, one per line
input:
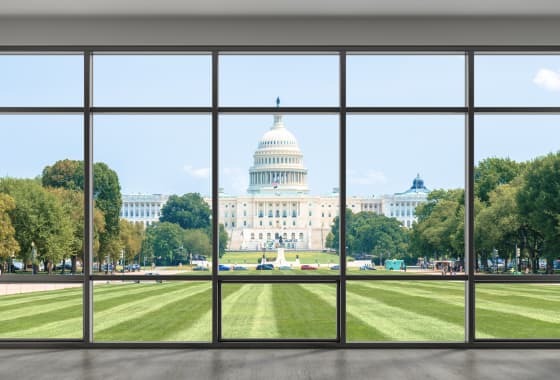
(377, 311)
(253, 257)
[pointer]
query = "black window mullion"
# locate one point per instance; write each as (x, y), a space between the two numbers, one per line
(88, 201)
(470, 261)
(216, 299)
(342, 207)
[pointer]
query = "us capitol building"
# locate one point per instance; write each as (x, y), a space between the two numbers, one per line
(278, 203)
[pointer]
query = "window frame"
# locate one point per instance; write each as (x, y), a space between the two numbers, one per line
(469, 110)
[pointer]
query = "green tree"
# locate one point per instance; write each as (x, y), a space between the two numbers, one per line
(189, 211)
(539, 203)
(498, 224)
(131, 237)
(38, 218)
(376, 234)
(196, 242)
(439, 231)
(69, 174)
(8, 243)
(492, 172)
(162, 242)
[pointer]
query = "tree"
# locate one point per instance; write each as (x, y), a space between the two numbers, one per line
(69, 174)
(38, 218)
(131, 236)
(72, 202)
(376, 234)
(196, 242)
(8, 243)
(162, 241)
(222, 240)
(335, 231)
(368, 232)
(539, 203)
(189, 211)
(498, 224)
(492, 172)
(439, 231)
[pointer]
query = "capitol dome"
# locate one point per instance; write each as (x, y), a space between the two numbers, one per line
(278, 163)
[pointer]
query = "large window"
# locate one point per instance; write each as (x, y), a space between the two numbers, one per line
(328, 197)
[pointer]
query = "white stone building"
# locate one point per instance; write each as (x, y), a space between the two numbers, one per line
(142, 208)
(278, 205)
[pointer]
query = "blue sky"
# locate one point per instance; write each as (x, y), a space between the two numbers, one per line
(170, 154)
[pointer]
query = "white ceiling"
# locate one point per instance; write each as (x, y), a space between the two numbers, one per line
(280, 8)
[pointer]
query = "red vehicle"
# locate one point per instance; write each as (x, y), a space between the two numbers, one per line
(308, 267)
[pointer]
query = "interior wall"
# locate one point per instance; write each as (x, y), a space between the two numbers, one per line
(278, 31)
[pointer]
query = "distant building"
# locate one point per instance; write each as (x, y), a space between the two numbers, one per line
(278, 205)
(142, 208)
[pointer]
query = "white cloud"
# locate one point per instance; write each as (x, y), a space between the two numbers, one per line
(371, 177)
(548, 79)
(197, 172)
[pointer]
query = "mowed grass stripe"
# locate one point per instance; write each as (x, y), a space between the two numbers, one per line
(104, 298)
(525, 307)
(305, 310)
(119, 314)
(14, 301)
(42, 305)
(404, 317)
(495, 324)
(452, 296)
(359, 327)
(247, 311)
(47, 318)
(529, 291)
(165, 320)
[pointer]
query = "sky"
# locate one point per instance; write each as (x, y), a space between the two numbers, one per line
(171, 154)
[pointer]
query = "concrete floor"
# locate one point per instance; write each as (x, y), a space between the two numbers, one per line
(279, 364)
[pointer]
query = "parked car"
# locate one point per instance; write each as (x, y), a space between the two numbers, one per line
(200, 268)
(65, 265)
(367, 267)
(285, 267)
(335, 267)
(109, 268)
(223, 267)
(308, 267)
(239, 267)
(265, 267)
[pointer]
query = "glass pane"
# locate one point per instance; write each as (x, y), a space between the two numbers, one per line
(517, 189)
(152, 80)
(279, 194)
(405, 311)
(405, 208)
(41, 194)
(41, 80)
(41, 311)
(517, 311)
(517, 80)
(152, 179)
(279, 311)
(152, 311)
(406, 80)
(298, 80)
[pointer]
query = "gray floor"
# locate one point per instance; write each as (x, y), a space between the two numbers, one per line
(279, 364)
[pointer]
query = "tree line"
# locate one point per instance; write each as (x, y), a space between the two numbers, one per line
(42, 222)
(517, 216)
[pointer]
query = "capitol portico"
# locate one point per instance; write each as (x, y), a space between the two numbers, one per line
(278, 205)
